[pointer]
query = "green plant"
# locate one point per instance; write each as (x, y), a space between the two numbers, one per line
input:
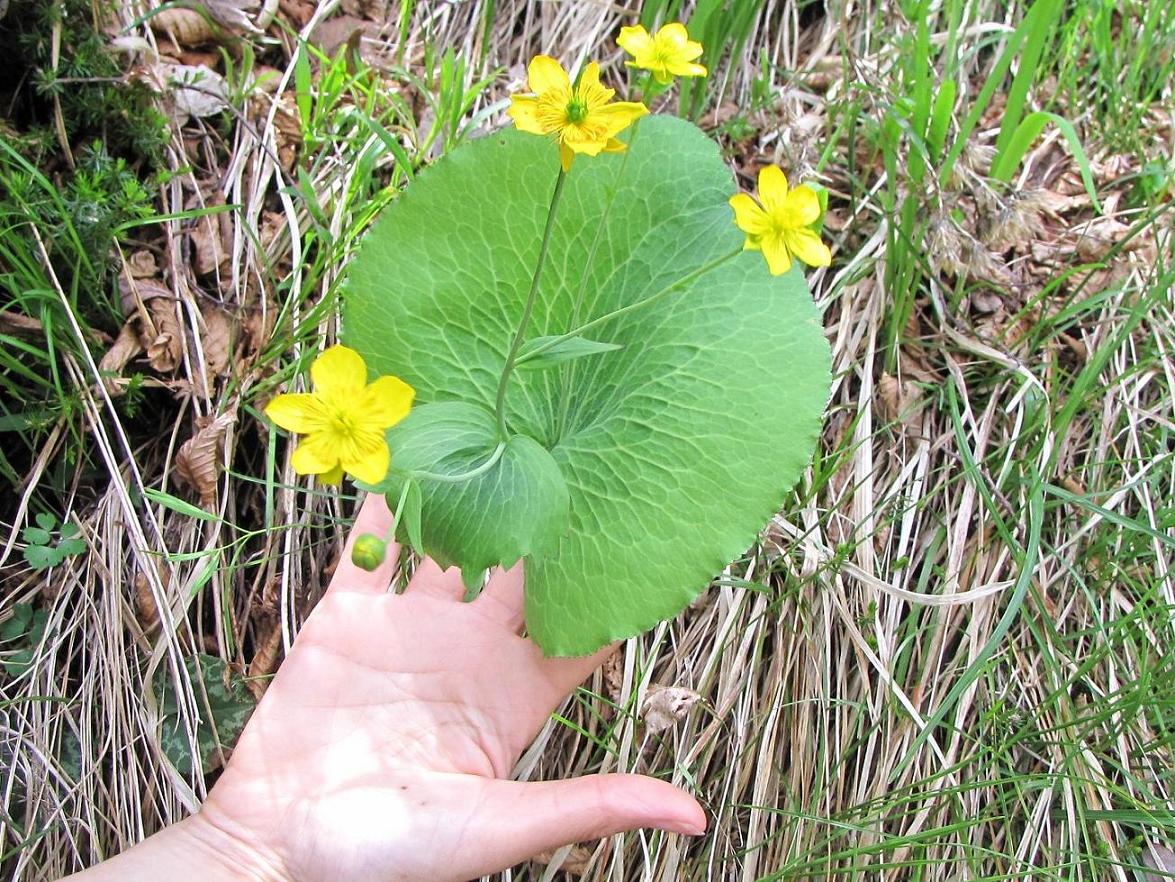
(19, 636)
(696, 372)
(49, 544)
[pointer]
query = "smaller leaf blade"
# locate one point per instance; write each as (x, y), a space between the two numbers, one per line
(545, 352)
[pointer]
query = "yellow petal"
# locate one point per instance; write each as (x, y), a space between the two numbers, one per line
(566, 157)
(615, 145)
(618, 116)
(590, 78)
(687, 69)
(772, 188)
(673, 33)
(333, 477)
(385, 402)
(297, 412)
(340, 370)
(634, 40)
(370, 465)
(663, 75)
(545, 74)
(748, 216)
(314, 455)
(802, 206)
(806, 246)
(524, 112)
(778, 259)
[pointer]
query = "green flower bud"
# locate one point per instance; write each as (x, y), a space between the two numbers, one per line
(368, 552)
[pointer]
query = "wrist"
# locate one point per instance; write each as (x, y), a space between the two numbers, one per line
(193, 849)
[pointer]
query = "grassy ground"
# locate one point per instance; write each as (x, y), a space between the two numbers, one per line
(950, 655)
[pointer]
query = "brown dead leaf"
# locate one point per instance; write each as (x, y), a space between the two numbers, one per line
(1161, 859)
(18, 323)
(216, 341)
(665, 705)
(287, 127)
(211, 237)
(613, 673)
(372, 10)
(125, 347)
(1095, 239)
(197, 462)
(185, 27)
(265, 658)
(164, 340)
(576, 862)
(898, 400)
(141, 265)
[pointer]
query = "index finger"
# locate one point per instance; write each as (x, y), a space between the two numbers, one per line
(374, 517)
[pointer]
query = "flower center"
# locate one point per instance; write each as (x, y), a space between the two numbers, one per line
(577, 110)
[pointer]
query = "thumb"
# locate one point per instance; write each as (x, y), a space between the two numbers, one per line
(546, 815)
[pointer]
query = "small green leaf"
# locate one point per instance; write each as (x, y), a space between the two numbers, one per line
(36, 536)
(179, 506)
(70, 547)
(565, 350)
(46, 521)
(410, 517)
(42, 557)
(69, 530)
(18, 624)
(517, 506)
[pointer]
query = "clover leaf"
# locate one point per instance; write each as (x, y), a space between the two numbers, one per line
(676, 448)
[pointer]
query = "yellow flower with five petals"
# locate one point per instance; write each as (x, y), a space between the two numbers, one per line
(780, 223)
(666, 54)
(583, 118)
(343, 419)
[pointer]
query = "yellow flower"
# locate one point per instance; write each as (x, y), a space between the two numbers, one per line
(667, 54)
(580, 117)
(343, 419)
(780, 223)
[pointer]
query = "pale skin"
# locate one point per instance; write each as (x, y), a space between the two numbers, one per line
(381, 749)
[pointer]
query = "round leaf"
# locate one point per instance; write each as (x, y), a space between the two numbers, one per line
(677, 447)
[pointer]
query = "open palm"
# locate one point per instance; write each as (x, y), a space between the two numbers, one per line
(379, 750)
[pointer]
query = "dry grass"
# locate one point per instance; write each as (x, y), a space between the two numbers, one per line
(949, 658)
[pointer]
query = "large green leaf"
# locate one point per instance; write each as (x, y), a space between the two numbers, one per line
(675, 448)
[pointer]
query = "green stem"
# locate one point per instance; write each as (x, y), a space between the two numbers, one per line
(624, 310)
(519, 335)
(390, 536)
(464, 476)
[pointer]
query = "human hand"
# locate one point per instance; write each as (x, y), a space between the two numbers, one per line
(379, 750)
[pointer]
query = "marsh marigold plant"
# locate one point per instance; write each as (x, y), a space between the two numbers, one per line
(781, 223)
(582, 117)
(344, 418)
(666, 54)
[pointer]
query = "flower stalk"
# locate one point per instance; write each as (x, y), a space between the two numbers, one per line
(520, 334)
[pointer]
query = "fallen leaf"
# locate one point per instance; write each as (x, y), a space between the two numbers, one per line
(197, 463)
(18, 323)
(185, 27)
(1161, 859)
(665, 705)
(164, 339)
(141, 265)
(125, 347)
(211, 236)
(265, 657)
(216, 341)
(197, 90)
(574, 864)
(287, 128)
